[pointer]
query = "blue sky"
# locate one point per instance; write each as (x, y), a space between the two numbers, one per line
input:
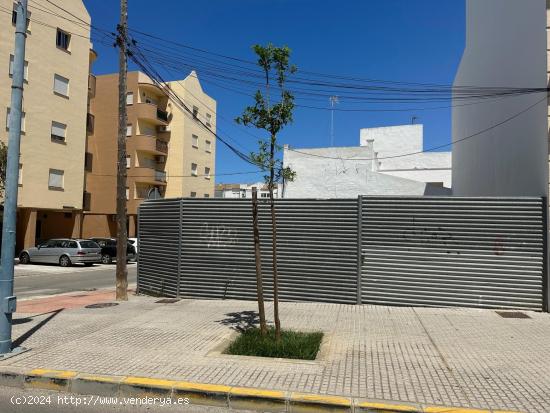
(401, 40)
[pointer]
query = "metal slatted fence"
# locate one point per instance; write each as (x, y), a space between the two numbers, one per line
(429, 251)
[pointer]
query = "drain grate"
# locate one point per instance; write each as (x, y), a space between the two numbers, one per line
(512, 314)
(167, 301)
(101, 305)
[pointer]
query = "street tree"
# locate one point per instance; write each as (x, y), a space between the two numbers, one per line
(271, 112)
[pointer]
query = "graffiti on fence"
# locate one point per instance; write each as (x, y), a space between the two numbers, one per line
(218, 236)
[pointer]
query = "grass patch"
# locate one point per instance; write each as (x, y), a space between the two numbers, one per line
(293, 345)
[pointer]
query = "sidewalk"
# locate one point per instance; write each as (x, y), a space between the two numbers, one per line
(453, 357)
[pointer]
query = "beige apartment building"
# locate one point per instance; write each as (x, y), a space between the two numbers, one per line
(169, 154)
(58, 58)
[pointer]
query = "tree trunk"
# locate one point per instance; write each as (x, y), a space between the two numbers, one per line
(274, 242)
(258, 258)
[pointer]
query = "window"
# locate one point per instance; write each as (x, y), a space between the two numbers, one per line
(207, 195)
(127, 193)
(25, 68)
(58, 132)
(193, 194)
(55, 180)
(20, 176)
(208, 119)
(195, 112)
(195, 141)
(128, 130)
(194, 169)
(130, 98)
(207, 173)
(208, 146)
(63, 39)
(128, 161)
(8, 120)
(61, 85)
(264, 195)
(88, 161)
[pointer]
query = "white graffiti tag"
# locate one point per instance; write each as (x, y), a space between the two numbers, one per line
(218, 236)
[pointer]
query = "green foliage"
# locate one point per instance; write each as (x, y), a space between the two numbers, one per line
(271, 117)
(293, 345)
(3, 166)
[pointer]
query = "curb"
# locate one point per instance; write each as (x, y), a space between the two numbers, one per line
(212, 394)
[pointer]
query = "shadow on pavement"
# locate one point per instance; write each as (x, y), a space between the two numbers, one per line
(241, 321)
(21, 339)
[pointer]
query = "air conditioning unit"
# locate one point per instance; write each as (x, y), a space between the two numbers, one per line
(163, 128)
(160, 158)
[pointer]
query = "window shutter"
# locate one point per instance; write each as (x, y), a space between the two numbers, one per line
(61, 85)
(58, 129)
(56, 178)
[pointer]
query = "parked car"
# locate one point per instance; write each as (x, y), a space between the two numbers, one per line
(135, 243)
(63, 251)
(108, 250)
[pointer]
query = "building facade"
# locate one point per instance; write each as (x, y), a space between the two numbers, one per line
(55, 100)
(346, 172)
(506, 46)
(244, 191)
(165, 144)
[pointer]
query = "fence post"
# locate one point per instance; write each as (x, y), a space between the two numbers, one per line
(180, 241)
(359, 247)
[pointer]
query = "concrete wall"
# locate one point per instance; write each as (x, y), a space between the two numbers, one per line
(322, 177)
(505, 47)
(391, 140)
(42, 106)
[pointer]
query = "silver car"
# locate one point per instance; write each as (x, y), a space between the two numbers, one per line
(63, 251)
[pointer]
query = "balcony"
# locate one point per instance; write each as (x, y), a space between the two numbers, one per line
(151, 113)
(90, 122)
(147, 175)
(147, 143)
(91, 86)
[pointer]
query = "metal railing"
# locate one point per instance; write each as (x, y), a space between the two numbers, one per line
(160, 176)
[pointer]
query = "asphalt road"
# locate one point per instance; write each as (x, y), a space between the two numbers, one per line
(54, 402)
(43, 280)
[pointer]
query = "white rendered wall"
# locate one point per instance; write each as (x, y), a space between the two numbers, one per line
(505, 47)
(391, 140)
(325, 177)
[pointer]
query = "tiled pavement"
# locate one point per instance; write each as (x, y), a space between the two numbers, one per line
(462, 357)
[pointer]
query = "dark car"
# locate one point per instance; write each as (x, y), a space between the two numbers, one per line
(108, 250)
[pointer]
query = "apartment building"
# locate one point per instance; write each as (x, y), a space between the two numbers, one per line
(169, 154)
(239, 191)
(57, 61)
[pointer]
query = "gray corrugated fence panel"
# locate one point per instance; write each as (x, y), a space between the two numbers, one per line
(159, 240)
(316, 245)
(451, 251)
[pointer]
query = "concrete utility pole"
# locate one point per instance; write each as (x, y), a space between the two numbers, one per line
(121, 217)
(7, 299)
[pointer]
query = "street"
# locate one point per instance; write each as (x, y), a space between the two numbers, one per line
(43, 280)
(54, 402)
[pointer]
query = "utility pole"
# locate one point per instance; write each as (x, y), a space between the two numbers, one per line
(333, 102)
(121, 217)
(7, 299)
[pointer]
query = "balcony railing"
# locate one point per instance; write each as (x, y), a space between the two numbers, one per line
(162, 115)
(162, 146)
(90, 122)
(160, 176)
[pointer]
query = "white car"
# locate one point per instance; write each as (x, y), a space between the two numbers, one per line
(135, 243)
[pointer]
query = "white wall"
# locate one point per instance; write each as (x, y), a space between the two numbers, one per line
(331, 177)
(392, 140)
(505, 47)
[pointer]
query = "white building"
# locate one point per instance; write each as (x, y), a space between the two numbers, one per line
(506, 46)
(346, 172)
(245, 190)
(392, 142)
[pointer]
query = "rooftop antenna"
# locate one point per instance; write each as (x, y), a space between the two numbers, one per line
(413, 120)
(333, 102)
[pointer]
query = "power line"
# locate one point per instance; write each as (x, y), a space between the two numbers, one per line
(429, 149)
